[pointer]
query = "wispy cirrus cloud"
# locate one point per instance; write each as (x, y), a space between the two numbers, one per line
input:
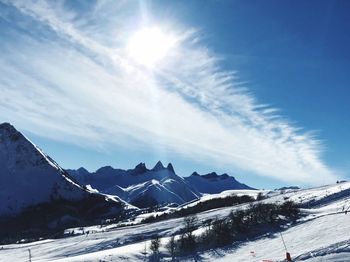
(75, 86)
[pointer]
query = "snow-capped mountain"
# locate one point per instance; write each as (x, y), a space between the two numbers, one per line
(145, 187)
(28, 177)
(140, 186)
(213, 183)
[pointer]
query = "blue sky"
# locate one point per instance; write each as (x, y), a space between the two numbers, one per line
(256, 89)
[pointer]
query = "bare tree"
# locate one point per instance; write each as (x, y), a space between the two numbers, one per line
(171, 246)
(188, 241)
(155, 244)
(190, 226)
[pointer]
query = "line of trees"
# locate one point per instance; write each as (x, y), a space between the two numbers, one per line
(256, 220)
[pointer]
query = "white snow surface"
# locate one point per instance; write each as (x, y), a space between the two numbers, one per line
(323, 235)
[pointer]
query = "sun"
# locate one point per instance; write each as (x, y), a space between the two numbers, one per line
(149, 45)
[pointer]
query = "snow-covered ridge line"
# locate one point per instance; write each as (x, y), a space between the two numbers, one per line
(54, 164)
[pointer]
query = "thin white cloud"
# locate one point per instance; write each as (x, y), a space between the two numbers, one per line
(189, 106)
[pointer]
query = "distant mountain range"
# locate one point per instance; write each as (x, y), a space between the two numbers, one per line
(143, 187)
(28, 177)
(213, 183)
(140, 186)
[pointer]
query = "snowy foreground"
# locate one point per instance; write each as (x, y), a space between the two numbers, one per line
(322, 235)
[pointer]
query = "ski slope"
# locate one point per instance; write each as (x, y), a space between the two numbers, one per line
(308, 241)
(322, 235)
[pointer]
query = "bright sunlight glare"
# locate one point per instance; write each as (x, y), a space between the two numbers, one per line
(149, 45)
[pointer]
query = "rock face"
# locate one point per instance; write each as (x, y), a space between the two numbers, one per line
(213, 183)
(140, 186)
(28, 177)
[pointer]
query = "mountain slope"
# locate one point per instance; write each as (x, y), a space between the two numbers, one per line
(213, 183)
(28, 176)
(30, 182)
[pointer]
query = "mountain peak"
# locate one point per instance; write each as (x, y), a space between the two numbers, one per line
(140, 165)
(224, 176)
(6, 125)
(30, 176)
(8, 130)
(210, 175)
(139, 169)
(170, 168)
(195, 174)
(82, 169)
(158, 166)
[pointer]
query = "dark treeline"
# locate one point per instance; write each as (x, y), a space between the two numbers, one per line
(201, 206)
(51, 219)
(254, 221)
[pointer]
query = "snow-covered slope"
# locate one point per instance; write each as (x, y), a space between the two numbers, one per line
(213, 183)
(140, 186)
(323, 235)
(29, 177)
(311, 197)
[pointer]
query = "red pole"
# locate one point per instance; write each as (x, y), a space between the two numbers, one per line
(285, 247)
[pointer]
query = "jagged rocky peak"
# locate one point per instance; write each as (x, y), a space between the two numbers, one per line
(170, 168)
(141, 166)
(158, 166)
(139, 169)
